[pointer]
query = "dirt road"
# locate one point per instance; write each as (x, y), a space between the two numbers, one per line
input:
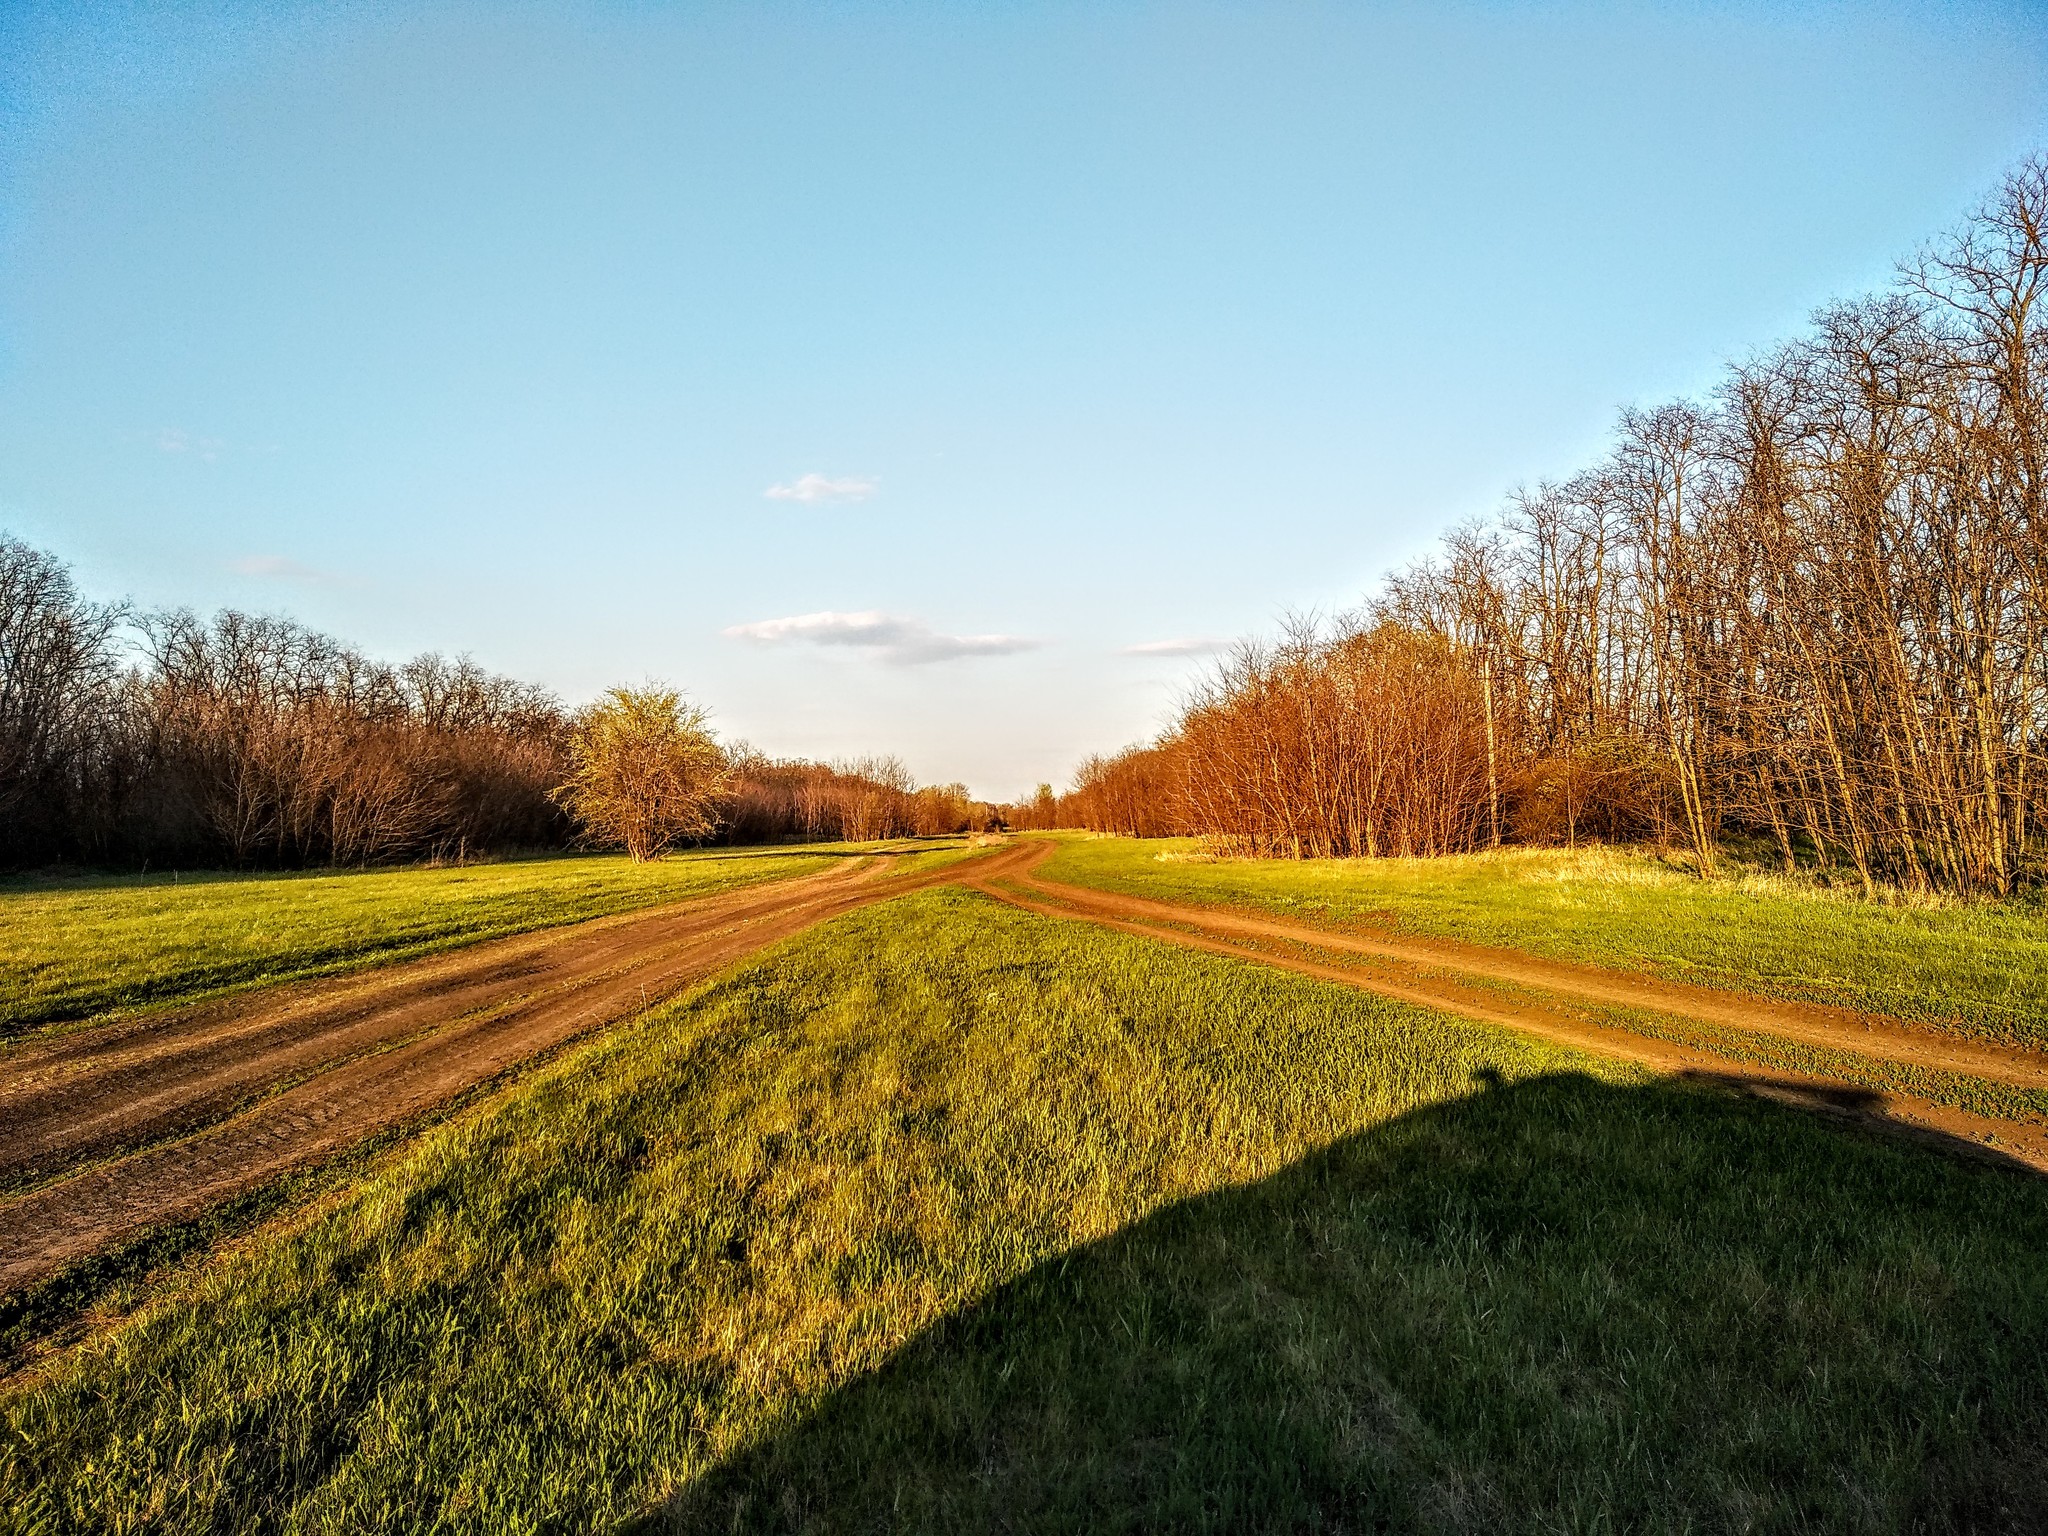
(151, 1120)
(107, 1132)
(1552, 999)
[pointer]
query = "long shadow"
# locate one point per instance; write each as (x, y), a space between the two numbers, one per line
(1558, 1305)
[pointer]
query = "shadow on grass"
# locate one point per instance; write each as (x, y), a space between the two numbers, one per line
(1556, 1305)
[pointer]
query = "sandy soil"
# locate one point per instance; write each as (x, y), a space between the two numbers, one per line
(149, 1120)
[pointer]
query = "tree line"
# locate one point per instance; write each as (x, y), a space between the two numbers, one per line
(164, 739)
(859, 800)
(1811, 609)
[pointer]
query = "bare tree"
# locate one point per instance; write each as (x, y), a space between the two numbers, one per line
(57, 674)
(1813, 609)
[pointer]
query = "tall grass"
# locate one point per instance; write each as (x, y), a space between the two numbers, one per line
(945, 1216)
(1971, 966)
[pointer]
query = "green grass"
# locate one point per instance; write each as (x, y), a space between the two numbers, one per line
(70, 949)
(922, 855)
(1976, 968)
(948, 1217)
(1852, 1069)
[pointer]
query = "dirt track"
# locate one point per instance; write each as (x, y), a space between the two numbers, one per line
(1548, 998)
(150, 1120)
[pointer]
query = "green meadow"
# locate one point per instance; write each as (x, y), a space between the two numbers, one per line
(945, 1216)
(71, 948)
(1977, 967)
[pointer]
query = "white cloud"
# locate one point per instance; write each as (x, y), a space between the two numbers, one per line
(178, 440)
(276, 568)
(892, 637)
(825, 488)
(1174, 648)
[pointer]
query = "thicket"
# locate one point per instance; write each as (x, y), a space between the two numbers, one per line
(1812, 608)
(790, 800)
(247, 741)
(244, 740)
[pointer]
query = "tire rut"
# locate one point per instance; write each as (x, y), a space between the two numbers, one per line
(1464, 979)
(180, 1078)
(86, 1093)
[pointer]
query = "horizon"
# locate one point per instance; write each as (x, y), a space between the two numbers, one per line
(902, 381)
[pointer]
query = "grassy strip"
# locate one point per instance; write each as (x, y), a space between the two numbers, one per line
(922, 855)
(73, 949)
(95, 1293)
(1974, 968)
(59, 1312)
(1958, 1090)
(944, 1216)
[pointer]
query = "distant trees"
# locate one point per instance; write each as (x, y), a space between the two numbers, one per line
(1813, 608)
(1367, 741)
(249, 740)
(259, 741)
(867, 798)
(1140, 792)
(254, 741)
(644, 772)
(57, 680)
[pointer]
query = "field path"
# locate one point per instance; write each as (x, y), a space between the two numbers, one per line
(150, 1120)
(112, 1130)
(1549, 996)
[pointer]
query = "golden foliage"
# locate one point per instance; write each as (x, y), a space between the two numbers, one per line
(645, 771)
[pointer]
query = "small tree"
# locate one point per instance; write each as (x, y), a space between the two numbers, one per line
(644, 771)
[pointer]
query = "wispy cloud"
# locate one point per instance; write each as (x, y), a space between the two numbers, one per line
(178, 440)
(825, 488)
(1190, 647)
(904, 641)
(277, 568)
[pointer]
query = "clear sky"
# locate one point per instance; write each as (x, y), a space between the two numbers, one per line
(904, 377)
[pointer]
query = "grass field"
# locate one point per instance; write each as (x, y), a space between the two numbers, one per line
(73, 948)
(945, 1216)
(1975, 967)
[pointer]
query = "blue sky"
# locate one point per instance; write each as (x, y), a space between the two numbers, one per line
(913, 378)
